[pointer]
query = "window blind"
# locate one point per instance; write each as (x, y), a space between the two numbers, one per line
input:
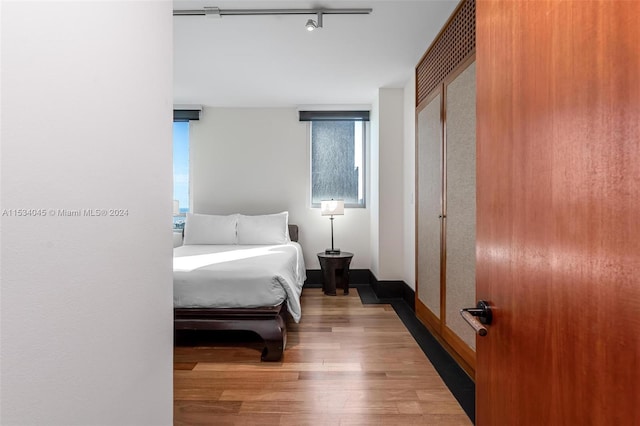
(334, 115)
(186, 114)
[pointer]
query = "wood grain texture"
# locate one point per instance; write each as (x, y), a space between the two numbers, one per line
(558, 239)
(345, 363)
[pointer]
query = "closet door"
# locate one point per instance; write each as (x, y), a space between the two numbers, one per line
(446, 185)
(460, 207)
(429, 208)
(446, 211)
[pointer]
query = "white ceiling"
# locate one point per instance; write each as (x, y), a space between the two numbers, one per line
(272, 61)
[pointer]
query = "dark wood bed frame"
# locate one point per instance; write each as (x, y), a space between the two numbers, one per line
(270, 322)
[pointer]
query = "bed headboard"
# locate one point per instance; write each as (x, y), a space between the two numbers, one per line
(293, 232)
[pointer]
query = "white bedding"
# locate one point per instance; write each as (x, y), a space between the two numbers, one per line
(238, 276)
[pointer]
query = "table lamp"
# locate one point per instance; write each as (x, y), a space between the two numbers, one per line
(332, 208)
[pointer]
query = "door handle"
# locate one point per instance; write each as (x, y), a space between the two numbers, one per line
(478, 317)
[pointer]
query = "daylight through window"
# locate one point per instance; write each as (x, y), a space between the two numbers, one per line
(181, 170)
(337, 161)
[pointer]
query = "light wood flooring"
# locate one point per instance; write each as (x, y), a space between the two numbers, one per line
(345, 364)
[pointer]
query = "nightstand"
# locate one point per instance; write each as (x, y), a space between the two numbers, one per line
(335, 271)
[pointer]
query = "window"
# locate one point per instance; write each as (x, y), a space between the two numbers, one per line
(337, 156)
(181, 119)
(180, 170)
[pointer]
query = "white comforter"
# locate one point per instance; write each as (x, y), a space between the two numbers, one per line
(238, 276)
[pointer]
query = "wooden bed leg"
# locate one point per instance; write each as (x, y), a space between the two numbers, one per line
(274, 334)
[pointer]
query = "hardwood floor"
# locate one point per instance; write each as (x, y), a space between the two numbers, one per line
(345, 364)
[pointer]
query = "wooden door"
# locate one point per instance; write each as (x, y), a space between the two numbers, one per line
(558, 219)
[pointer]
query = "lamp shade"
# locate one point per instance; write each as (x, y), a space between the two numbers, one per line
(176, 207)
(332, 207)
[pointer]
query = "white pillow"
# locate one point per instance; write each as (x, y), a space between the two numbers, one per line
(210, 229)
(264, 229)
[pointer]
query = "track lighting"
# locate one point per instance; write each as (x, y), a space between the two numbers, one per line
(311, 24)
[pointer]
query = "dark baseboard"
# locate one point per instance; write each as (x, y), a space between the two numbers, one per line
(314, 278)
(356, 277)
(393, 290)
(382, 289)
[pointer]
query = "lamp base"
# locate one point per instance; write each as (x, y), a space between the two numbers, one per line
(332, 251)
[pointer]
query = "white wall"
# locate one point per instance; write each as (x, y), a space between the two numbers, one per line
(256, 160)
(390, 177)
(409, 185)
(374, 187)
(86, 302)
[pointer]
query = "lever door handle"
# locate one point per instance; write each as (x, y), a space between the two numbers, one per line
(477, 317)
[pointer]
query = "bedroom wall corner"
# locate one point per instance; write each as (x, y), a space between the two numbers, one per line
(409, 185)
(390, 192)
(386, 183)
(86, 318)
(374, 187)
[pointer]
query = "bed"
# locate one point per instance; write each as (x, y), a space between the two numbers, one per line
(239, 272)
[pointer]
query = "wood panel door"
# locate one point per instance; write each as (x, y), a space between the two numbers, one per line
(558, 218)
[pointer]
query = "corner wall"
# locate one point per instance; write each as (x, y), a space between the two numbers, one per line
(409, 185)
(374, 187)
(388, 152)
(86, 300)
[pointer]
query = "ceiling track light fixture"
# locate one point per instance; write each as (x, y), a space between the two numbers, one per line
(214, 12)
(312, 25)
